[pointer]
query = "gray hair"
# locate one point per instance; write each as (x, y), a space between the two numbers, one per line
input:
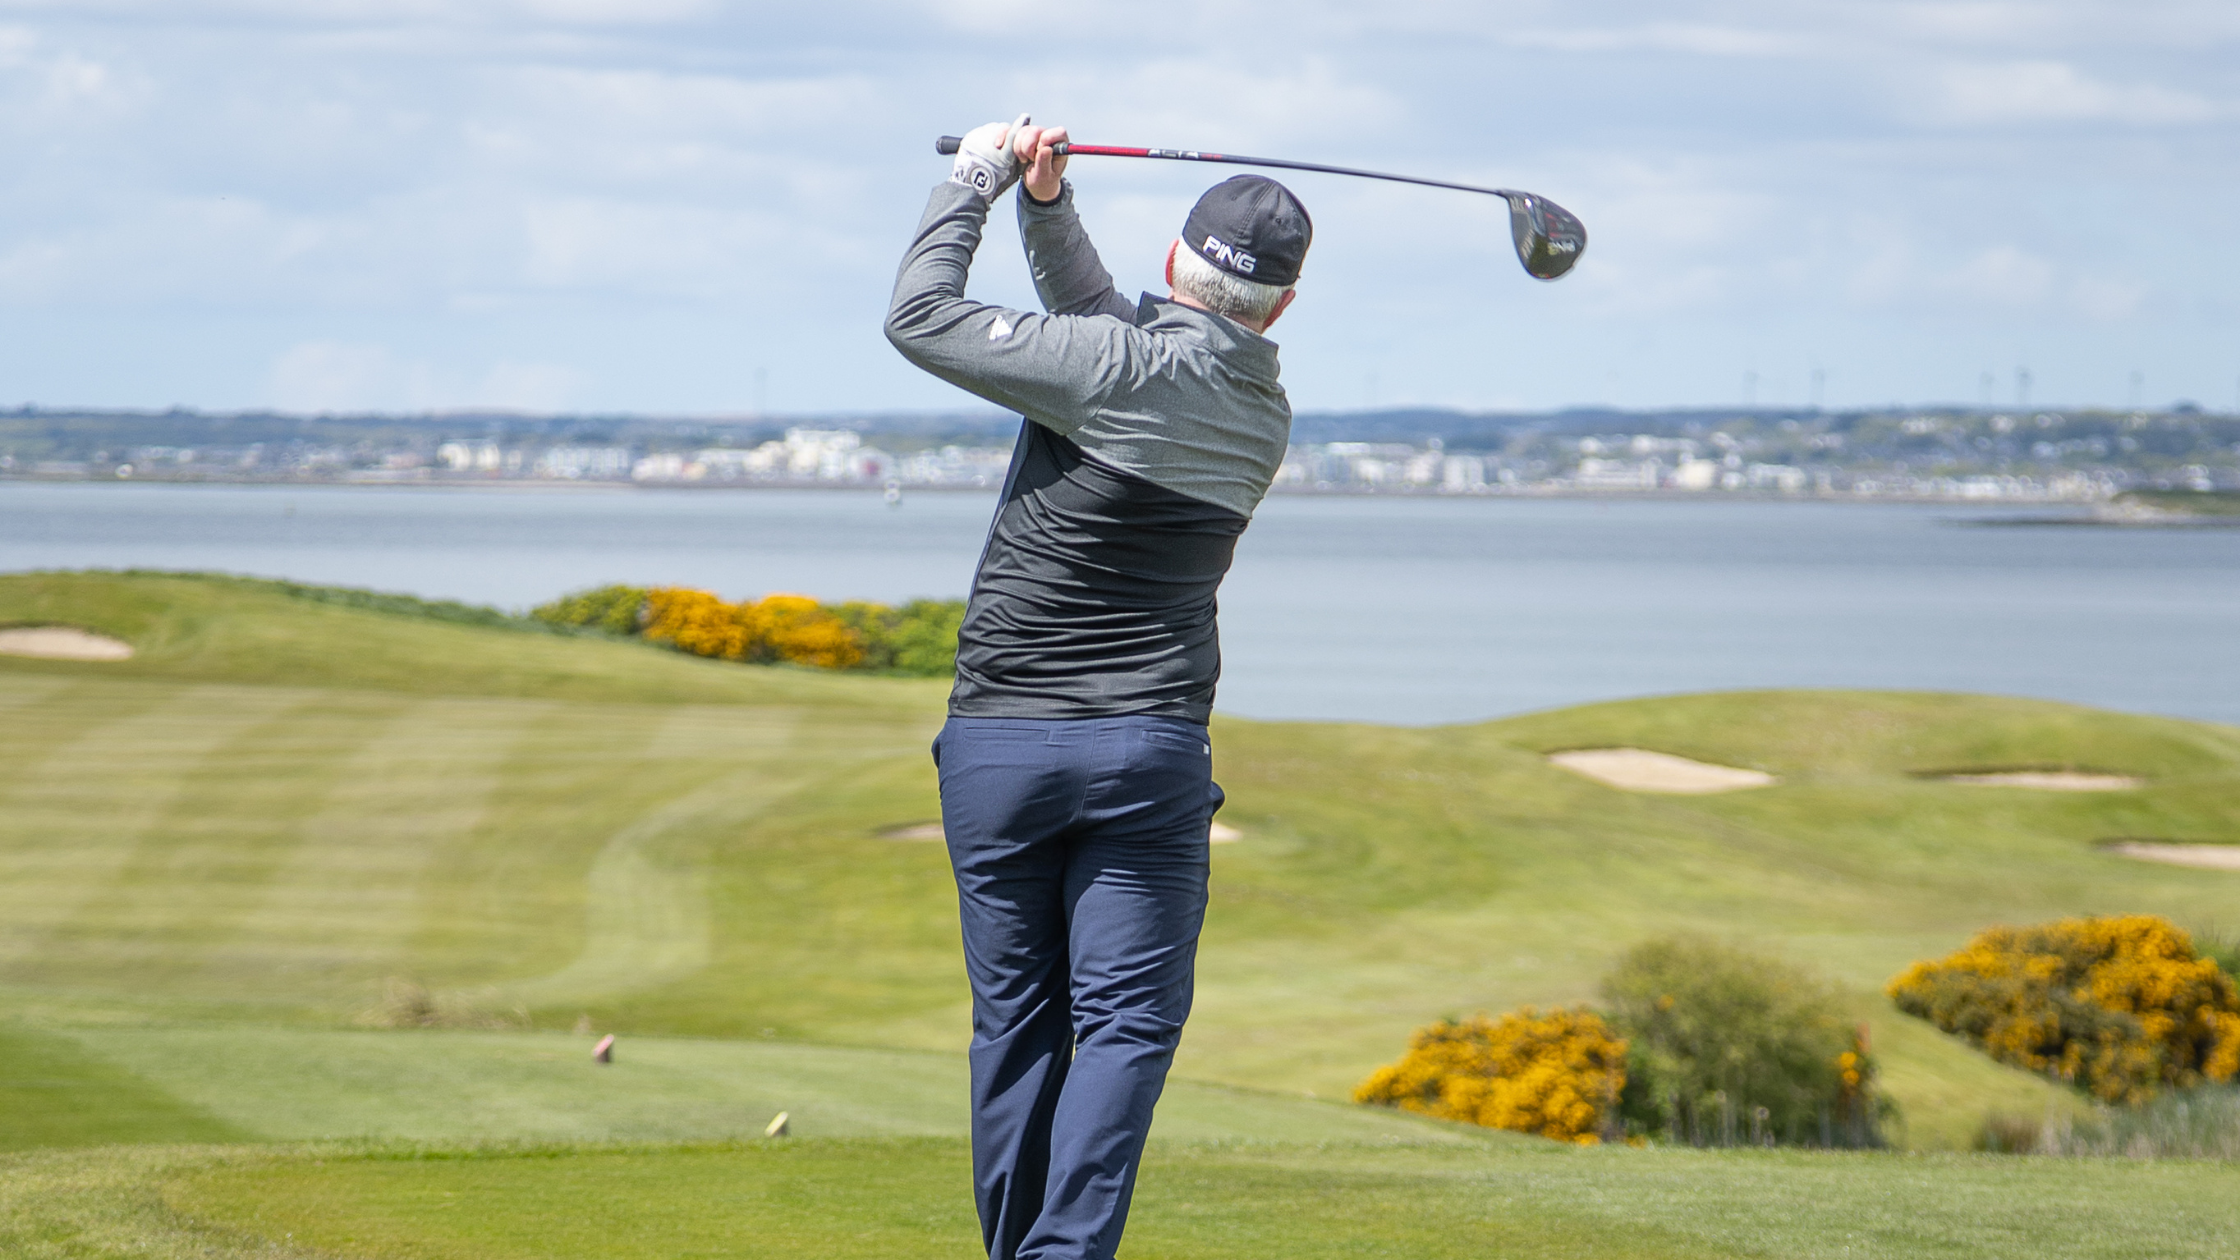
(1246, 301)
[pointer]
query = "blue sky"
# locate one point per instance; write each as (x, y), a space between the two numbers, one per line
(690, 206)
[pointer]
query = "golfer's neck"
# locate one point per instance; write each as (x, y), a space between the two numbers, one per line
(1175, 297)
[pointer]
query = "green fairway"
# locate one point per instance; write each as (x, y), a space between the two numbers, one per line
(281, 815)
(879, 1198)
(283, 1084)
(52, 1093)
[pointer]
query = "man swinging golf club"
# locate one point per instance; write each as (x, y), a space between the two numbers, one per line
(1076, 772)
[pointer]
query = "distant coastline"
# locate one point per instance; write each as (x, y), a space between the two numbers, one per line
(2085, 467)
(1961, 497)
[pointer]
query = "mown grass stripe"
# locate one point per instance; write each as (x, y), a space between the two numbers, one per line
(79, 814)
(52, 1093)
(348, 899)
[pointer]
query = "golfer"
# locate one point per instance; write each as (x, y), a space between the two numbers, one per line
(1076, 773)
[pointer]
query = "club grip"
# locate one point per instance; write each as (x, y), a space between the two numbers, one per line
(947, 146)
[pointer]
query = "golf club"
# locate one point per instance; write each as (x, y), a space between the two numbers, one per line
(1549, 238)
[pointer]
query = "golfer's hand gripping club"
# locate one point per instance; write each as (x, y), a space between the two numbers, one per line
(1042, 154)
(985, 163)
(1549, 239)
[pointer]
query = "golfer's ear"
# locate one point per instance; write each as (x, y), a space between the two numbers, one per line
(1171, 248)
(1282, 303)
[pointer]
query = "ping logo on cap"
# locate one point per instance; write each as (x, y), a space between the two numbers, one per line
(1220, 253)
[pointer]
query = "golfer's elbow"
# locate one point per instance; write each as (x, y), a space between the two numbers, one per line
(907, 327)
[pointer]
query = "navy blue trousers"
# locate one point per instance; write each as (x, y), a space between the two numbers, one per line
(1080, 854)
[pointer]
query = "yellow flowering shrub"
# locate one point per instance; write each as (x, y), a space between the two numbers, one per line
(700, 623)
(790, 628)
(2120, 1006)
(919, 638)
(798, 629)
(1557, 1075)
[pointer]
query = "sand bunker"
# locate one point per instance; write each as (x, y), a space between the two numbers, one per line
(2207, 857)
(2046, 780)
(1222, 833)
(62, 643)
(1639, 770)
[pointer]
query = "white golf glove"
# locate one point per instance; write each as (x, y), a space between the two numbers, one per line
(985, 163)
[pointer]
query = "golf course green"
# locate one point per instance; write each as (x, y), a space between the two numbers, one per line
(310, 913)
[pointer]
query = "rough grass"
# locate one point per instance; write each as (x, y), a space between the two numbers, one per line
(863, 1198)
(282, 810)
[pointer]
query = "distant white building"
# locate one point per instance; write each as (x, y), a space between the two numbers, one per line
(585, 463)
(1618, 474)
(666, 466)
(954, 466)
(1462, 474)
(1783, 477)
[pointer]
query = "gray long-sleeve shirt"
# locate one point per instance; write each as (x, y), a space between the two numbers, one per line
(1155, 431)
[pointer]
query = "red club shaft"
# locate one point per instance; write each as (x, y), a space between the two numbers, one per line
(948, 144)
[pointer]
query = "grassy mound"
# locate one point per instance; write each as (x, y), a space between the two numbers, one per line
(2190, 502)
(282, 811)
(218, 629)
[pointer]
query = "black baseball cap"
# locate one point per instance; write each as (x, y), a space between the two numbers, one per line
(1252, 228)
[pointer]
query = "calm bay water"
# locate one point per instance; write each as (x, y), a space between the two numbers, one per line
(1388, 610)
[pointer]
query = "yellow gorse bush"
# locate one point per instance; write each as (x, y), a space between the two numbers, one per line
(2121, 1006)
(1557, 1075)
(791, 628)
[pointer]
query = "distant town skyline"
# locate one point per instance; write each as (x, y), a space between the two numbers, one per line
(694, 206)
(2088, 457)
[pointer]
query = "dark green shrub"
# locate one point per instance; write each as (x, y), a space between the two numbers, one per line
(919, 638)
(617, 610)
(2005, 1134)
(1730, 1048)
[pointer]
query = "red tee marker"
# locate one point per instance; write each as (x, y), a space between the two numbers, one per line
(604, 1051)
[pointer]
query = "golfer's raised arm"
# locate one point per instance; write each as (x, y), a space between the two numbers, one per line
(1068, 275)
(1055, 370)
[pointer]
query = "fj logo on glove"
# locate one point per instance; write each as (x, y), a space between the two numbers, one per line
(1219, 253)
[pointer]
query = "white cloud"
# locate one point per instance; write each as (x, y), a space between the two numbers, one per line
(2054, 91)
(57, 86)
(649, 247)
(342, 13)
(2002, 275)
(519, 386)
(1208, 103)
(1675, 37)
(326, 376)
(2080, 25)
(347, 376)
(2109, 298)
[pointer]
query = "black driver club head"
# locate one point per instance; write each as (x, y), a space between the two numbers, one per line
(1549, 237)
